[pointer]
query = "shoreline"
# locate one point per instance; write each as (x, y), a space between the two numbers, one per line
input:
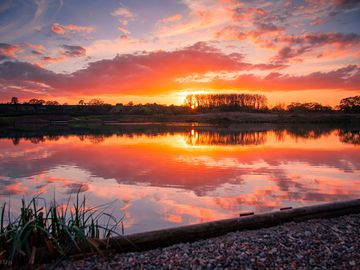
(192, 233)
(314, 244)
(215, 118)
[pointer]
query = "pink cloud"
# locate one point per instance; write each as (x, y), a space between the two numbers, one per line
(123, 29)
(123, 12)
(49, 59)
(171, 19)
(70, 28)
(270, 36)
(124, 15)
(9, 50)
(323, 44)
(37, 47)
(267, 27)
(201, 16)
(73, 51)
(346, 78)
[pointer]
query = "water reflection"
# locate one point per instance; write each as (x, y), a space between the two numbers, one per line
(165, 176)
(225, 138)
(352, 137)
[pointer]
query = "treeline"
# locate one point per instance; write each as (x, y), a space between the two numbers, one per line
(256, 102)
(91, 107)
(193, 104)
(348, 105)
(304, 107)
(244, 101)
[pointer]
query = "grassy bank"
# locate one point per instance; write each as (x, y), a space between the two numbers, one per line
(211, 118)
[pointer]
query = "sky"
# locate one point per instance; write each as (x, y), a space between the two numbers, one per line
(161, 50)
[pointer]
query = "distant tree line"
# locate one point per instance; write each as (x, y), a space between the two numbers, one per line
(192, 104)
(244, 101)
(35, 101)
(308, 107)
(91, 107)
(348, 105)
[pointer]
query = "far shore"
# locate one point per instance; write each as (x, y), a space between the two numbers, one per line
(215, 118)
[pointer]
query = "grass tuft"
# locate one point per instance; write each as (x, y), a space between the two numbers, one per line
(58, 228)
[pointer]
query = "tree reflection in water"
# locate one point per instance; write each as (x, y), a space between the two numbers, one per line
(195, 137)
(350, 137)
(233, 138)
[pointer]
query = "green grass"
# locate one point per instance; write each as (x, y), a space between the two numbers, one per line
(58, 228)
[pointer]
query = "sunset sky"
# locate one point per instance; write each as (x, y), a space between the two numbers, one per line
(160, 50)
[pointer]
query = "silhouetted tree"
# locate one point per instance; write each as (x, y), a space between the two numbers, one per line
(81, 102)
(52, 103)
(279, 107)
(308, 107)
(95, 102)
(350, 104)
(35, 101)
(246, 101)
(14, 101)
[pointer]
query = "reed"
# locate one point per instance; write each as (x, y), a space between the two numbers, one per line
(59, 228)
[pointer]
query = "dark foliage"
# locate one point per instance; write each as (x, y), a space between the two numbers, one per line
(227, 101)
(308, 107)
(350, 104)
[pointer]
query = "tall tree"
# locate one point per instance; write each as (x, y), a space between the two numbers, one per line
(35, 101)
(350, 104)
(95, 102)
(52, 103)
(14, 100)
(244, 101)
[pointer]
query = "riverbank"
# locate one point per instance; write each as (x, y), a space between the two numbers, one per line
(313, 244)
(222, 118)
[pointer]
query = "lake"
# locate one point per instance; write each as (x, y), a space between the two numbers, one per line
(163, 176)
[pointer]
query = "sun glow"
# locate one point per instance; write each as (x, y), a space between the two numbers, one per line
(182, 95)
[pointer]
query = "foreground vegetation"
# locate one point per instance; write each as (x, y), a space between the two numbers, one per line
(57, 229)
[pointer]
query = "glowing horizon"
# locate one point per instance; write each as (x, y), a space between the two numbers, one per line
(158, 51)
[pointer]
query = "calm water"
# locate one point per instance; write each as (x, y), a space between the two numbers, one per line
(170, 176)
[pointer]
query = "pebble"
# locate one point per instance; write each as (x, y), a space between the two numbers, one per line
(313, 244)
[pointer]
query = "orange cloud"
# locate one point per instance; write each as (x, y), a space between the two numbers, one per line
(164, 72)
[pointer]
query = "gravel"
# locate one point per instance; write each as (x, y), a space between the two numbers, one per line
(314, 244)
